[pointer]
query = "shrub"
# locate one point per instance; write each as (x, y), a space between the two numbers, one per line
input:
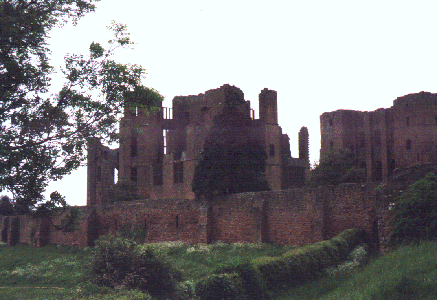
(221, 287)
(252, 281)
(119, 262)
(415, 214)
(309, 262)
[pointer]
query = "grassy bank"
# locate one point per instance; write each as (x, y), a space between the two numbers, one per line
(57, 273)
(407, 273)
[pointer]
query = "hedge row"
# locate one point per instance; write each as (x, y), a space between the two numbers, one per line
(307, 263)
(253, 280)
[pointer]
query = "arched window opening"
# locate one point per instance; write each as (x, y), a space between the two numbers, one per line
(205, 115)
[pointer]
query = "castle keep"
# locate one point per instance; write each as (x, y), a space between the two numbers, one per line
(403, 135)
(160, 150)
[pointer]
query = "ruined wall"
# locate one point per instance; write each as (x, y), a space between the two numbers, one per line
(288, 217)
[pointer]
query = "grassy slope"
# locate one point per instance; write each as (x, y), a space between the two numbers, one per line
(408, 273)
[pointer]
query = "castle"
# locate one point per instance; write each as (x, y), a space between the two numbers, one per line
(160, 150)
(401, 136)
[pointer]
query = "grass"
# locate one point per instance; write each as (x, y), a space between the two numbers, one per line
(407, 273)
(57, 272)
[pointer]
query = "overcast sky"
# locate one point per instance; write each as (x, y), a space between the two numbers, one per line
(318, 55)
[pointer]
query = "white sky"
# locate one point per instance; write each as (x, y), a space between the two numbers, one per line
(318, 55)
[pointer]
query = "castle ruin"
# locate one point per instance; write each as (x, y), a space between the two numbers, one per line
(159, 150)
(401, 136)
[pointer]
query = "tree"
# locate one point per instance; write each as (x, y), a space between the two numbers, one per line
(338, 167)
(414, 216)
(231, 162)
(42, 136)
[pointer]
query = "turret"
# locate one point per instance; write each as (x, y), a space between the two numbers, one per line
(268, 106)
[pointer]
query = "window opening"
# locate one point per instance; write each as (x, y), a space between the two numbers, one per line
(408, 144)
(177, 222)
(157, 173)
(164, 136)
(178, 172)
(408, 121)
(272, 150)
(133, 174)
(133, 147)
(115, 175)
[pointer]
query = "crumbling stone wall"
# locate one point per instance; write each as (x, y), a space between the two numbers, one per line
(287, 217)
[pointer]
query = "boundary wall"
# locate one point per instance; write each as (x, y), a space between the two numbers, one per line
(287, 217)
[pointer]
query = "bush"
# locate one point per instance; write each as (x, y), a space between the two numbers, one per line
(308, 262)
(415, 214)
(221, 287)
(120, 263)
(252, 280)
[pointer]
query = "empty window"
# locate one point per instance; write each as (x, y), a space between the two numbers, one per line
(157, 174)
(133, 174)
(164, 136)
(408, 121)
(272, 150)
(177, 222)
(178, 172)
(408, 144)
(133, 147)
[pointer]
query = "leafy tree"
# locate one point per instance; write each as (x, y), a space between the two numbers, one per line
(6, 207)
(338, 167)
(43, 136)
(231, 162)
(414, 216)
(124, 190)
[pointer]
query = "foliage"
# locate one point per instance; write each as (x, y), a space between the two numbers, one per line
(309, 262)
(338, 167)
(43, 136)
(251, 278)
(221, 287)
(124, 190)
(414, 216)
(119, 262)
(231, 162)
(6, 207)
(135, 232)
(408, 273)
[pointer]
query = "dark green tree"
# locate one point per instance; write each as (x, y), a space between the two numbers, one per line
(414, 216)
(43, 136)
(231, 162)
(338, 167)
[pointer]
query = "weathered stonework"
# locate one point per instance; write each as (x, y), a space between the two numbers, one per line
(401, 136)
(160, 150)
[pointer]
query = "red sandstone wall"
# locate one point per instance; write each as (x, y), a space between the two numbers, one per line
(289, 217)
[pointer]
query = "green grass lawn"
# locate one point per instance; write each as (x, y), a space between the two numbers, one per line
(408, 273)
(57, 272)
